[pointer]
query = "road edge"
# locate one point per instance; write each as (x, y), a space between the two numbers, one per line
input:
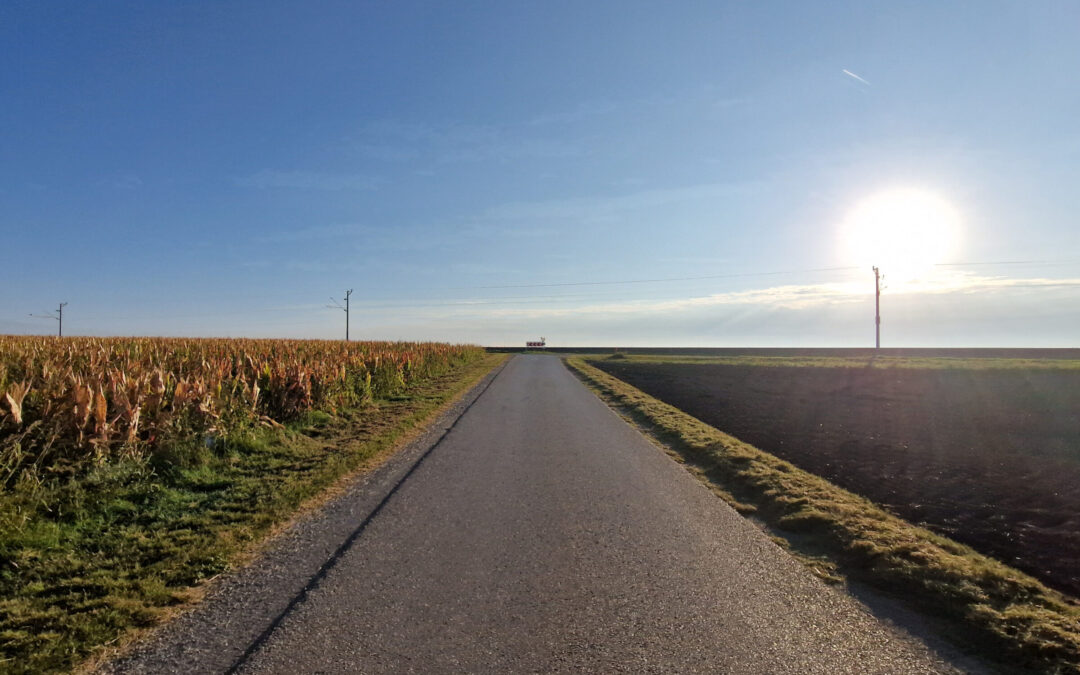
(209, 636)
(1003, 613)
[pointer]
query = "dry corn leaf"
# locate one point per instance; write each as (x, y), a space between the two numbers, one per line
(101, 412)
(14, 398)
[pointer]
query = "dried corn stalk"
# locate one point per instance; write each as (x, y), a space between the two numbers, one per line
(106, 395)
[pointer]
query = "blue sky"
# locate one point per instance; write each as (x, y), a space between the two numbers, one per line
(482, 172)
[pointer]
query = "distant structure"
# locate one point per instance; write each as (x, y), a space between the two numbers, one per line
(337, 305)
(59, 316)
(878, 278)
(533, 344)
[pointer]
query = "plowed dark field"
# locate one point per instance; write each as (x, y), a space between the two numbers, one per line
(990, 458)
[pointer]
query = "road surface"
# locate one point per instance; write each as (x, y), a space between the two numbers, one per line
(544, 534)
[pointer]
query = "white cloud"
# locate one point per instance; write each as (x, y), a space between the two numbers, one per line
(780, 297)
(972, 310)
(791, 297)
(953, 309)
(952, 281)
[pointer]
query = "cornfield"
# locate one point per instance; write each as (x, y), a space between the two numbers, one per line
(64, 402)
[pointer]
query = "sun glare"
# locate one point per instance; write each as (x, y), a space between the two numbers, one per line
(905, 232)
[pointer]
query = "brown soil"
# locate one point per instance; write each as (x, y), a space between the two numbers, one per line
(989, 458)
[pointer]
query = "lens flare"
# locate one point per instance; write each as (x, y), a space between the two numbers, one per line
(904, 231)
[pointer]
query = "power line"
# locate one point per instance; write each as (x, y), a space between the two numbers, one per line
(748, 275)
(656, 281)
(208, 315)
(58, 317)
(337, 305)
(418, 302)
(457, 301)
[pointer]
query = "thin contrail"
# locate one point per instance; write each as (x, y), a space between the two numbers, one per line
(851, 74)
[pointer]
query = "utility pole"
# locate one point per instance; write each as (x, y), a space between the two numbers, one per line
(347, 294)
(877, 308)
(337, 305)
(58, 317)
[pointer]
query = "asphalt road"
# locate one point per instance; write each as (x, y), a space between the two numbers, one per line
(544, 534)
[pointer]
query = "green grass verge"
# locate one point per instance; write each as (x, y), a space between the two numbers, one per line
(905, 362)
(1005, 614)
(86, 561)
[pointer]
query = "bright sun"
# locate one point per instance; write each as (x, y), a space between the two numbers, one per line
(903, 231)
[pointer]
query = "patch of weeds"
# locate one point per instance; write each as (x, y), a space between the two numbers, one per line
(313, 423)
(181, 452)
(86, 558)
